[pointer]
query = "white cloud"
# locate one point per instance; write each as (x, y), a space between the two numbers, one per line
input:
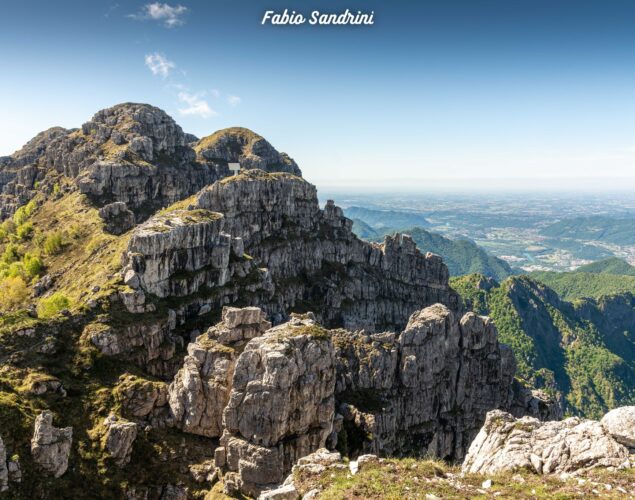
(196, 105)
(234, 100)
(159, 64)
(170, 16)
(215, 93)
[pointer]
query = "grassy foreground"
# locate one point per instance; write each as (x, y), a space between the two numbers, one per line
(426, 479)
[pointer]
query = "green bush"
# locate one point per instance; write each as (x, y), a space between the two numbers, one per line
(50, 306)
(33, 265)
(24, 231)
(11, 253)
(13, 292)
(53, 243)
(23, 213)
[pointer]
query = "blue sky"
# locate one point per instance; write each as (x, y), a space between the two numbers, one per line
(435, 92)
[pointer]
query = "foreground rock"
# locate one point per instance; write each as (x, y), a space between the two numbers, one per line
(620, 423)
(573, 445)
(280, 408)
(50, 446)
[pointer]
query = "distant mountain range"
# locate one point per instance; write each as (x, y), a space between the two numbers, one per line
(584, 350)
(598, 227)
(461, 256)
(387, 219)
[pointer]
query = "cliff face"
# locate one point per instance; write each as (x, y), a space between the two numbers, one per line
(270, 229)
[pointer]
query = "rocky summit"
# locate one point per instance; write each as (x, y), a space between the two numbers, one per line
(173, 328)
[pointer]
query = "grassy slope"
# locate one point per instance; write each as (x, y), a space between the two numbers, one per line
(85, 267)
(422, 479)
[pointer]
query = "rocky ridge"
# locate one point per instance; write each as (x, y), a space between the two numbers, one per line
(134, 154)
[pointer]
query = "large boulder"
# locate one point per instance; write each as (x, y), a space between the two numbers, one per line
(620, 423)
(50, 446)
(570, 446)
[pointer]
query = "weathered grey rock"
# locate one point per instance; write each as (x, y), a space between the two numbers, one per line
(148, 344)
(50, 446)
(427, 390)
(525, 401)
(240, 145)
(281, 405)
(173, 254)
(570, 446)
(119, 438)
(620, 423)
(4, 471)
(117, 217)
(15, 471)
(287, 492)
(201, 389)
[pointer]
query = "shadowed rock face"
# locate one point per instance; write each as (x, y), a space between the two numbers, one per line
(135, 154)
(571, 445)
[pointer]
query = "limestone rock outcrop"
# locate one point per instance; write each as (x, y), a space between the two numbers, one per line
(165, 253)
(51, 446)
(271, 232)
(281, 405)
(568, 446)
(119, 438)
(526, 401)
(143, 400)
(117, 217)
(620, 423)
(240, 145)
(200, 391)
(427, 389)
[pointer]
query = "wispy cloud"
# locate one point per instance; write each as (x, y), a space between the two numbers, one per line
(196, 105)
(113, 7)
(159, 64)
(215, 93)
(170, 16)
(234, 100)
